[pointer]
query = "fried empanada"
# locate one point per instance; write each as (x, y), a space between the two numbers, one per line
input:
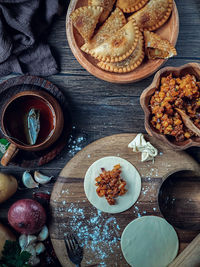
(131, 5)
(157, 47)
(153, 15)
(107, 7)
(130, 63)
(115, 22)
(85, 20)
(119, 46)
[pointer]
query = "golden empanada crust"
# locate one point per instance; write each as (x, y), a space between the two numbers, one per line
(107, 7)
(153, 15)
(119, 46)
(131, 5)
(85, 20)
(156, 47)
(115, 22)
(130, 63)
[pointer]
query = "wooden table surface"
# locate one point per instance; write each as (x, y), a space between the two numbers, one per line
(100, 108)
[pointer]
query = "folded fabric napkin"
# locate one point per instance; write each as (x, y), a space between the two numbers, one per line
(24, 26)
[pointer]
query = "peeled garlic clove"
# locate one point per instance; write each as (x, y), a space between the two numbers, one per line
(41, 178)
(31, 239)
(40, 248)
(28, 181)
(43, 234)
(23, 241)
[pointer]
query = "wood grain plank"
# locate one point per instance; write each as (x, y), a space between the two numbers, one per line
(91, 100)
(72, 211)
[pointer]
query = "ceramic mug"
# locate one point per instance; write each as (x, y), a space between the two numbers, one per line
(12, 122)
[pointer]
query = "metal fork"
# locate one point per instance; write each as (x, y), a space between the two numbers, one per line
(75, 252)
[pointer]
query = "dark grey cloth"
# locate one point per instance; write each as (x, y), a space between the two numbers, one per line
(24, 27)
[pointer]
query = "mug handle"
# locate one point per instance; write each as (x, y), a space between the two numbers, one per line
(10, 153)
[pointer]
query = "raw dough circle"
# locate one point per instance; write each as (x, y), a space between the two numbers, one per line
(129, 174)
(149, 241)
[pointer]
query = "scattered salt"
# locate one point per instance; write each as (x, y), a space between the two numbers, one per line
(93, 232)
(75, 145)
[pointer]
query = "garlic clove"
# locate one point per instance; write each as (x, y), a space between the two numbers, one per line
(23, 241)
(28, 181)
(41, 178)
(40, 248)
(33, 261)
(31, 239)
(31, 250)
(43, 234)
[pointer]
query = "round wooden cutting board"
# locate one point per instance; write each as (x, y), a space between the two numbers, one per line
(100, 232)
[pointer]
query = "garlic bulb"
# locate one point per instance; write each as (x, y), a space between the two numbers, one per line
(43, 234)
(28, 181)
(29, 243)
(41, 178)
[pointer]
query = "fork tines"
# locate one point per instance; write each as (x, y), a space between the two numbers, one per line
(74, 250)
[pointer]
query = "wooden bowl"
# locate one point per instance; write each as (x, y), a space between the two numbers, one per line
(179, 201)
(191, 68)
(168, 31)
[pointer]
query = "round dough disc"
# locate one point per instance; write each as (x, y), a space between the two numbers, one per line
(149, 241)
(129, 174)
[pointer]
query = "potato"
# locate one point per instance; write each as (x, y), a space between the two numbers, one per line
(5, 234)
(8, 186)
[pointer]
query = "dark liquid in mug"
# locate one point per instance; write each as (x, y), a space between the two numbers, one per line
(15, 116)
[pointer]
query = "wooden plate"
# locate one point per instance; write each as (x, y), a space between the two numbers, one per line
(100, 233)
(168, 31)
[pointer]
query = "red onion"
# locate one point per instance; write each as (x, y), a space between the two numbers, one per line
(27, 216)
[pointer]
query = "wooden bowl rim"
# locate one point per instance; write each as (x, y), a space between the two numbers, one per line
(106, 75)
(147, 112)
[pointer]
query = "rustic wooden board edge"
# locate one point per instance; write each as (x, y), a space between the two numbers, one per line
(84, 153)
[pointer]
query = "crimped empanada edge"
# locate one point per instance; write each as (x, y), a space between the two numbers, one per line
(76, 11)
(134, 8)
(87, 50)
(103, 66)
(127, 69)
(111, 59)
(160, 23)
(172, 48)
(106, 11)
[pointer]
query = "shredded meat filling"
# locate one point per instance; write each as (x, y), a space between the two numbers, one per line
(110, 184)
